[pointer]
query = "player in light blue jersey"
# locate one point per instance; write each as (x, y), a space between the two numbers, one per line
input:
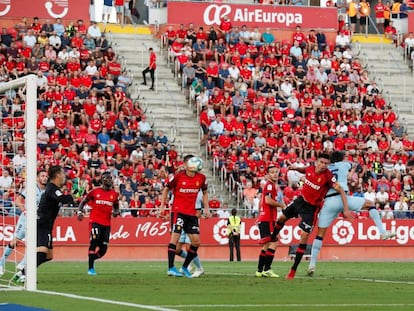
(333, 206)
(20, 230)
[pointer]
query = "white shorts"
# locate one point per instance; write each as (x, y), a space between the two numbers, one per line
(20, 232)
(333, 206)
(184, 238)
(127, 11)
(107, 9)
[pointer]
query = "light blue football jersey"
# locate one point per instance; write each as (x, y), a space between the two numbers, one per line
(39, 193)
(340, 170)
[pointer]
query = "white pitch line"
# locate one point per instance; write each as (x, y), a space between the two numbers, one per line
(297, 277)
(381, 281)
(114, 302)
(295, 305)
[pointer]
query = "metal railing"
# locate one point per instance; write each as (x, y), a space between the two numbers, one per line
(144, 48)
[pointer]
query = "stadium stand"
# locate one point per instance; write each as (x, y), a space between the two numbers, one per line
(278, 103)
(259, 102)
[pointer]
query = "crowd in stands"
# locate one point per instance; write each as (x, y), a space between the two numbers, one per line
(265, 101)
(262, 101)
(87, 121)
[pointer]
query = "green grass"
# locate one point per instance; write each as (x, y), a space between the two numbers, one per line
(225, 286)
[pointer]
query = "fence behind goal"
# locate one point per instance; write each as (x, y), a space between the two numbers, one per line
(18, 130)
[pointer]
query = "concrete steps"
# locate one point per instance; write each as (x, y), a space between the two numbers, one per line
(167, 107)
(387, 67)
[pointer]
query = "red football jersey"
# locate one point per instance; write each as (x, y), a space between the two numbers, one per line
(316, 186)
(267, 212)
(101, 202)
(185, 190)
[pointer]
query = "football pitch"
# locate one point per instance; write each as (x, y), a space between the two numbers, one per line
(225, 286)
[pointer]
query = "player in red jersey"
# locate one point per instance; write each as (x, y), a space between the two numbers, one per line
(185, 186)
(103, 202)
(318, 180)
(270, 201)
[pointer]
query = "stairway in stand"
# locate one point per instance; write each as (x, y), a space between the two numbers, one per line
(386, 66)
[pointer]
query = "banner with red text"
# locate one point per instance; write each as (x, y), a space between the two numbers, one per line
(154, 231)
(45, 9)
(262, 16)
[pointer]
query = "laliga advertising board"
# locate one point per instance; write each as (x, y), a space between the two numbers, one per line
(45, 9)
(210, 14)
(154, 231)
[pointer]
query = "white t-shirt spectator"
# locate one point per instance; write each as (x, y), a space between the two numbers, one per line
(223, 213)
(5, 180)
(55, 41)
(19, 161)
(30, 40)
(342, 40)
(382, 197)
(48, 123)
(370, 195)
(234, 72)
(94, 31)
(63, 55)
(74, 53)
(144, 126)
(216, 127)
(41, 81)
(91, 70)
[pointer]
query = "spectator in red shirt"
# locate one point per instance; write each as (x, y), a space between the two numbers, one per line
(225, 27)
(150, 68)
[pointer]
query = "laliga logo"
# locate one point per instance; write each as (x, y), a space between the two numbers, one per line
(218, 12)
(343, 232)
(49, 8)
(220, 231)
(8, 7)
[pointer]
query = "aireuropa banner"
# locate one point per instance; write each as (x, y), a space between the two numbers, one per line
(45, 9)
(155, 231)
(262, 16)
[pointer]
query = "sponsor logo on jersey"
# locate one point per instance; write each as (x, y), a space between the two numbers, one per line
(311, 184)
(104, 202)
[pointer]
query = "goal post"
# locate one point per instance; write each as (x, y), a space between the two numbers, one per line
(30, 142)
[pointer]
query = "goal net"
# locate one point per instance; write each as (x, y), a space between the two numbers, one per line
(18, 168)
